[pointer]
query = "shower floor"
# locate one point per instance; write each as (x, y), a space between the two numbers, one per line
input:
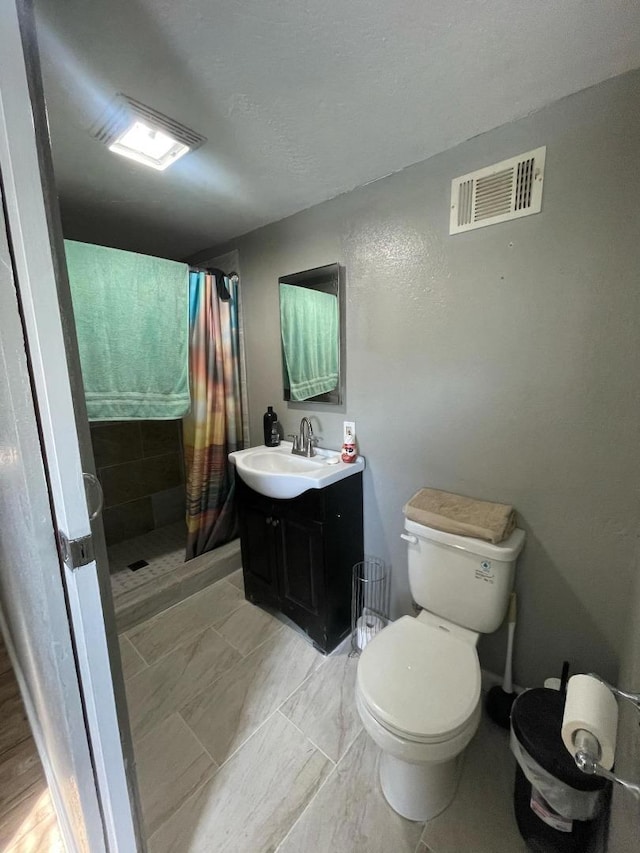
(162, 548)
(167, 579)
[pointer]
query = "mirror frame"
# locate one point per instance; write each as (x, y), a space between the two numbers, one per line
(327, 279)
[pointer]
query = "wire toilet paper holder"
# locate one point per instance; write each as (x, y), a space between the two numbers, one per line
(587, 747)
(369, 601)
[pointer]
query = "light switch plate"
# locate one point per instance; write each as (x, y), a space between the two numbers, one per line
(349, 428)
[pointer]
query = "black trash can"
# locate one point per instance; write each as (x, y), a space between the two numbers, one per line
(556, 805)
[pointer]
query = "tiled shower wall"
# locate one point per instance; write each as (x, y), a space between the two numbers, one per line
(140, 466)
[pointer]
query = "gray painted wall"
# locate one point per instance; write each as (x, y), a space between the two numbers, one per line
(502, 363)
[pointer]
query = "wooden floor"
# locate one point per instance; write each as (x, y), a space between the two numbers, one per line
(27, 820)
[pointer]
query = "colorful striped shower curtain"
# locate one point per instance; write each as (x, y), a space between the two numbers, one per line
(214, 426)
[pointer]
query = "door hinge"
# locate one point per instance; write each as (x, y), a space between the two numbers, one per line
(76, 552)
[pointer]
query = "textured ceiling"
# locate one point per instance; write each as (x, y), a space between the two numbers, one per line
(300, 100)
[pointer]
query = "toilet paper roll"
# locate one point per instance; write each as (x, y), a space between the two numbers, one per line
(591, 706)
(367, 627)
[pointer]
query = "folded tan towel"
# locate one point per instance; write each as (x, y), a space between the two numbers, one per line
(464, 516)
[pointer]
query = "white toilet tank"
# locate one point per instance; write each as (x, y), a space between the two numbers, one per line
(466, 581)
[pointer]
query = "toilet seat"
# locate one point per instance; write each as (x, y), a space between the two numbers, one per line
(419, 681)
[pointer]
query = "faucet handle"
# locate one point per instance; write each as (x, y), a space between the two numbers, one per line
(296, 441)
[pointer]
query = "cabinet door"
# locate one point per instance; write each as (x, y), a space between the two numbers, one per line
(301, 570)
(258, 555)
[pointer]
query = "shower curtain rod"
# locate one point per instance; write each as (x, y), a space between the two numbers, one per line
(219, 276)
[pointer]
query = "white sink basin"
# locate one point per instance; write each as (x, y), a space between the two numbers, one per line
(277, 473)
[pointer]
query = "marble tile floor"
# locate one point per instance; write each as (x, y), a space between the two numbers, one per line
(138, 595)
(247, 739)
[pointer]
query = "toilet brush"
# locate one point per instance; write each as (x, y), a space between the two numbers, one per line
(500, 699)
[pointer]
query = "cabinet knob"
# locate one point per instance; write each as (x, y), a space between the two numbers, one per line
(275, 522)
(268, 520)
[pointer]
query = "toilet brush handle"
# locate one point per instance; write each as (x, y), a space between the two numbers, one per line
(512, 612)
(507, 684)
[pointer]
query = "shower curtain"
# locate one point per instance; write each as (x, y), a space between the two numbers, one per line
(214, 426)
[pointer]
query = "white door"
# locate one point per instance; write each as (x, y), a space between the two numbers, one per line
(33, 611)
(37, 253)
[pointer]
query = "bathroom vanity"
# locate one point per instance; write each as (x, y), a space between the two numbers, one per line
(297, 554)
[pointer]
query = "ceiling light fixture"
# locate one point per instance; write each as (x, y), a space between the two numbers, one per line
(149, 146)
(141, 133)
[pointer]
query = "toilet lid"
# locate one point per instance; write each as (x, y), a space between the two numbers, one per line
(420, 680)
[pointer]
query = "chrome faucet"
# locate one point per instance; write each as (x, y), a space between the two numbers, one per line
(304, 444)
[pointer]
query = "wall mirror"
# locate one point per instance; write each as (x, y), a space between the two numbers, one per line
(312, 335)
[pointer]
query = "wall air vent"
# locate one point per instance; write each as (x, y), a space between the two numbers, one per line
(141, 133)
(506, 190)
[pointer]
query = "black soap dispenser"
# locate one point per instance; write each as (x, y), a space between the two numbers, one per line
(270, 424)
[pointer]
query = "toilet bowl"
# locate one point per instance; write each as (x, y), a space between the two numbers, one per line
(418, 696)
(418, 684)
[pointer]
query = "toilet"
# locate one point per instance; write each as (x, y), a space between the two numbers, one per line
(418, 680)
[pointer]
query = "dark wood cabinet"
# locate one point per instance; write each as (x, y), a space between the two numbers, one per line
(297, 555)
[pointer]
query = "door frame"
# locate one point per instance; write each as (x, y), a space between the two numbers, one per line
(33, 223)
